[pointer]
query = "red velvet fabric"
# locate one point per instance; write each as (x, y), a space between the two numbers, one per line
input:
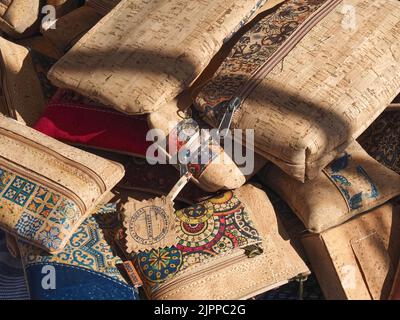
(74, 119)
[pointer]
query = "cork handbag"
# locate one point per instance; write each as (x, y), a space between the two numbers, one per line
(18, 17)
(382, 139)
(143, 54)
(77, 120)
(351, 184)
(226, 250)
(86, 269)
(309, 78)
(21, 92)
(357, 260)
(48, 188)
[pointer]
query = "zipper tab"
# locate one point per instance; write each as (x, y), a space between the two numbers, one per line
(253, 251)
(301, 278)
(232, 106)
(132, 274)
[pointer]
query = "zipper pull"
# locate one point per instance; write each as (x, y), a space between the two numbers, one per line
(301, 278)
(232, 106)
(133, 275)
(253, 251)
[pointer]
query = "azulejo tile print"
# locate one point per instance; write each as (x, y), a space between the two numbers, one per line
(210, 228)
(36, 213)
(86, 268)
(87, 247)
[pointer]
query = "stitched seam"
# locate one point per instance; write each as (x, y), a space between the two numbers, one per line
(69, 105)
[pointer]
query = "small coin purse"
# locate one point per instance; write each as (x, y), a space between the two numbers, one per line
(229, 247)
(48, 188)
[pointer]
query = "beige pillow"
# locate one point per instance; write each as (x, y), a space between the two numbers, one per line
(351, 184)
(144, 53)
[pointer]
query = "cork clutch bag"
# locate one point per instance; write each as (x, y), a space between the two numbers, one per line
(17, 17)
(144, 53)
(226, 250)
(309, 79)
(21, 92)
(351, 184)
(95, 275)
(47, 188)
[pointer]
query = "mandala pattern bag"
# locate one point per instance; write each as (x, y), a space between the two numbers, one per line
(48, 188)
(150, 50)
(86, 269)
(308, 80)
(225, 250)
(351, 184)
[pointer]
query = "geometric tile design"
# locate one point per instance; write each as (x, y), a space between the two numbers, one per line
(19, 191)
(43, 202)
(28, 225)
(5, 177)
(36, 213)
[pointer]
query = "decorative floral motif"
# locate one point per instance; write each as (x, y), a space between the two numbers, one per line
(158, 265)
(28, 225)
(19, 191)
(43, 202)
(66, 214)
(212, 227)
(87, 248)
(382, 139)
(352, 180)
(253, 50)
(5, 178)
(50, 237)
(39, 214)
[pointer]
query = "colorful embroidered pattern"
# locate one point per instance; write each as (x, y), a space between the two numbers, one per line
(353, 182)
(210, 228)
(382, 139)
(253, 50)
(34, 212)
(87, 248)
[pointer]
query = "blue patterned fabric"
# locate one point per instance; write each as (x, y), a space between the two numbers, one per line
(12, 279)
(76, 283)
(86, 269)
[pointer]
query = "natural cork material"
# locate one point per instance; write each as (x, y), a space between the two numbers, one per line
(144, 53)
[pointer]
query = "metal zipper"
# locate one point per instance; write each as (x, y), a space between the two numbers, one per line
(33, 176)
(257, 77)
(93, 175)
